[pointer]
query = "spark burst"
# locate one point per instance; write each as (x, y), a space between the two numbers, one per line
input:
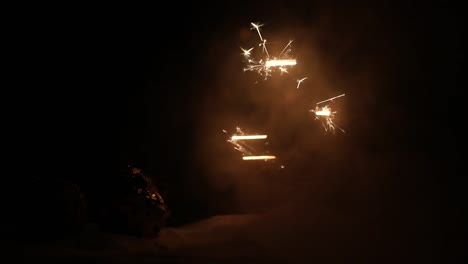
(248, 152)
(326, 115)
(267, 64)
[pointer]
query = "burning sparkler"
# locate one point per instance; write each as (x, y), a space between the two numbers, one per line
(262, 157)
(239, 145)
(267, 64)
(327, 115)
(248, 152)
(248, 137)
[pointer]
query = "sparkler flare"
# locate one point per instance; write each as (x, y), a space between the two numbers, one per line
(326, 115)
(266, 65)
(246, 52)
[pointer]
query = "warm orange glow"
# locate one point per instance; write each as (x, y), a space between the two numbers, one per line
(258, 157)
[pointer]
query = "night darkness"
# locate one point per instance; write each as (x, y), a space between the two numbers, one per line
(156, 89)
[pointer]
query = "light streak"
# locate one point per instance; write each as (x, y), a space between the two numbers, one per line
(257, 27)
(275, 63)
(263, 44)
(249, 137)
(285, 48)
(262, 157)
(299, 81)
(331, 99)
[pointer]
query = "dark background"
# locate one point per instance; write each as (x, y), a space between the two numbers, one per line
(399, 64)
(156, 86)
